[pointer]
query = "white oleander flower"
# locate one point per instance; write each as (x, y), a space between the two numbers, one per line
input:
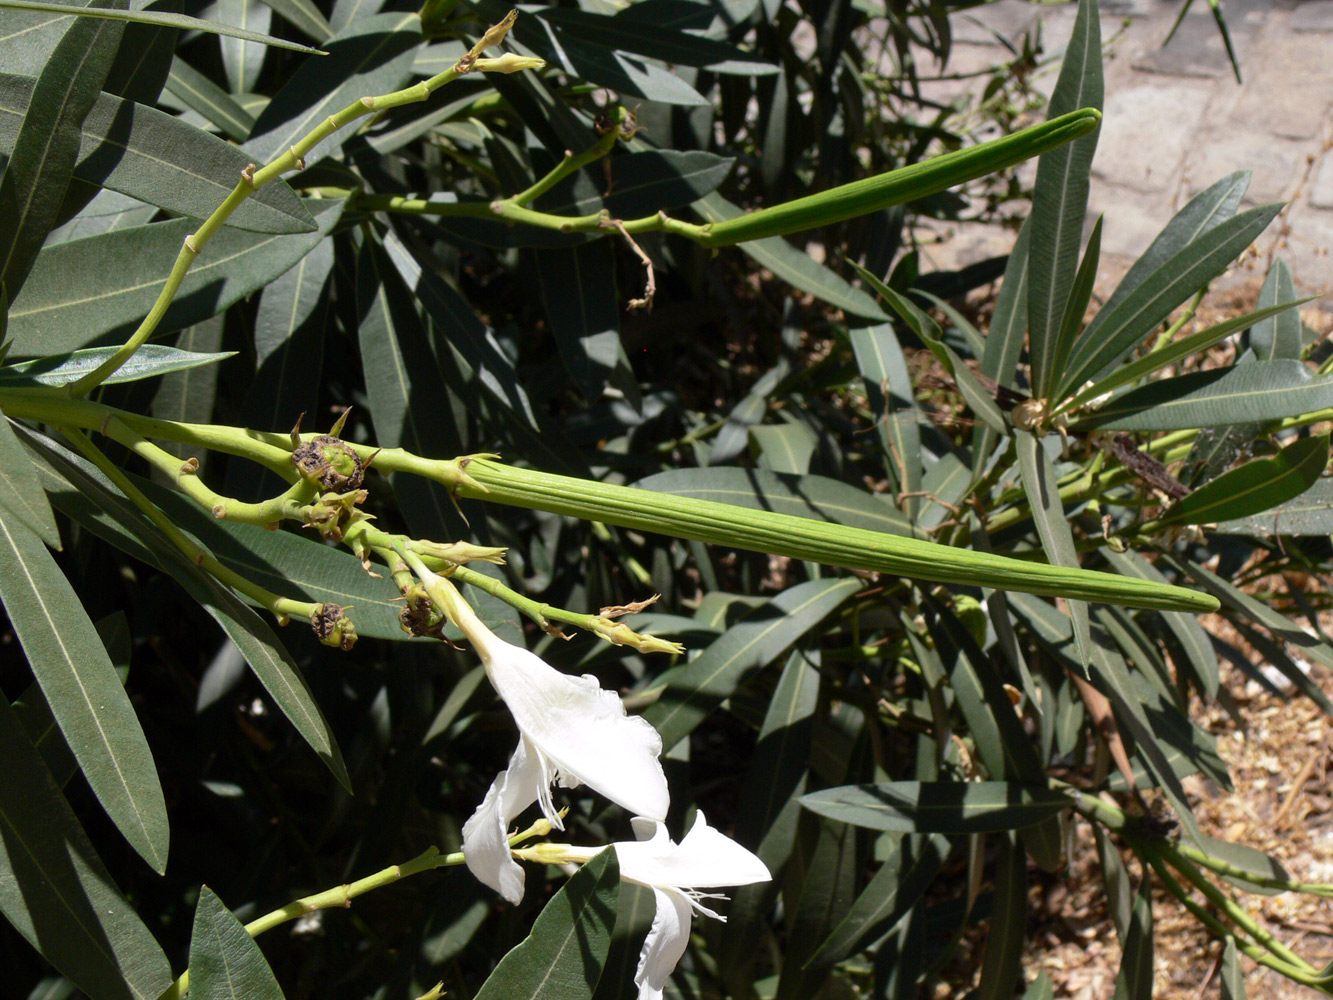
(704, 859)
(571, 733)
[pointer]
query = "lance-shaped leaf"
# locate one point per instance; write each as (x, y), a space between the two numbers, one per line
(1136, 958)
(1207, 209)
(1060, 199)
(1245, 393)
(20, 490)
(827, 889)
(838, 545)
(81, 686)
(691, 691)
(1002, 967)
(46, 144)
(242, 60)
(403, 385)
(80, 291)
(304, 15)
(55, 891)
(1118, 330)
(1277, 336)
(1255, 486)
(792, 265)
(63, 369)
(372, 56)
(893, 403)
(161, 160)
(938, 806)
(163, 18)
(82, 493)
(1311, 513)
(225, 962)
(1004, 340)
(570, 937)
(1057, 539)
(906, 184)
(198, 93)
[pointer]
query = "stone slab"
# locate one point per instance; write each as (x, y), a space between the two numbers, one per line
(1147, 131)
(1290, 90)
(1321, 183)
(1314, 15)
(1197, 48)
(1276, 165)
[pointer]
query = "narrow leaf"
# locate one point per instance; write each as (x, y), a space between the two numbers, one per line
(162, 161)
(938, 806)
(1278, 336)
(1002, 967)
(47, 144)
(1060, 199)
(690, 692)
(198, 93)
(20, 491)
(162, 18)
(570, 937)
(1057, 539)
(63, 369)
(225, 962)
(55, 891)
(1254, 487)
(82, 688)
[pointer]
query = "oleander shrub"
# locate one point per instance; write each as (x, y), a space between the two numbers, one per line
(379, 382)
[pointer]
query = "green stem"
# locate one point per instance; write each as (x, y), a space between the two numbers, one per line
(1221, 867)
(282, 607)
(1224, 933)
(1236, 913)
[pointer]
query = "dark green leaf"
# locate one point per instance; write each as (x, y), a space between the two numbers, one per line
(1060, 199)
(20, 491)
(225, 962)
(372, 56)
(1209, 208)
(1002, 967)
(164, 18)
(198, 93)
(296, 566)
(1115, 878)
(794, 266)
(1244, 393)
(784, 448)
(46, 146)
(1311, 513)
(80, 291)
(83, 494)
(578, 286)
(1254, 487)
(62, 369)
(403, 388)
(827, 889)
(1136, 960)
(690, 692)
(1278, 336)
(82, 688)
(627, 34)
(1232, 976)
(816, 497)
(1004, 341)
(1246, 859)
(187, 396)
(893, 403)
(898, 885)
(938, 806)
(1057, 538)
(242, 60)
(562, 957)
(162, 161)
(1116, 333)
(1080, 294)
(304, 15)
(55, 890)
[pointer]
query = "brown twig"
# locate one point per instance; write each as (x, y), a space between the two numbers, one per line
(651, 287)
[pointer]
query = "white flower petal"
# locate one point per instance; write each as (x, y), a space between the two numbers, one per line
(486, 833)
(665, 943)
(704, 857)
(582, 729)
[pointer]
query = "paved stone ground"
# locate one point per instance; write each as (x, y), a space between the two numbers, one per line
(1176, 120)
